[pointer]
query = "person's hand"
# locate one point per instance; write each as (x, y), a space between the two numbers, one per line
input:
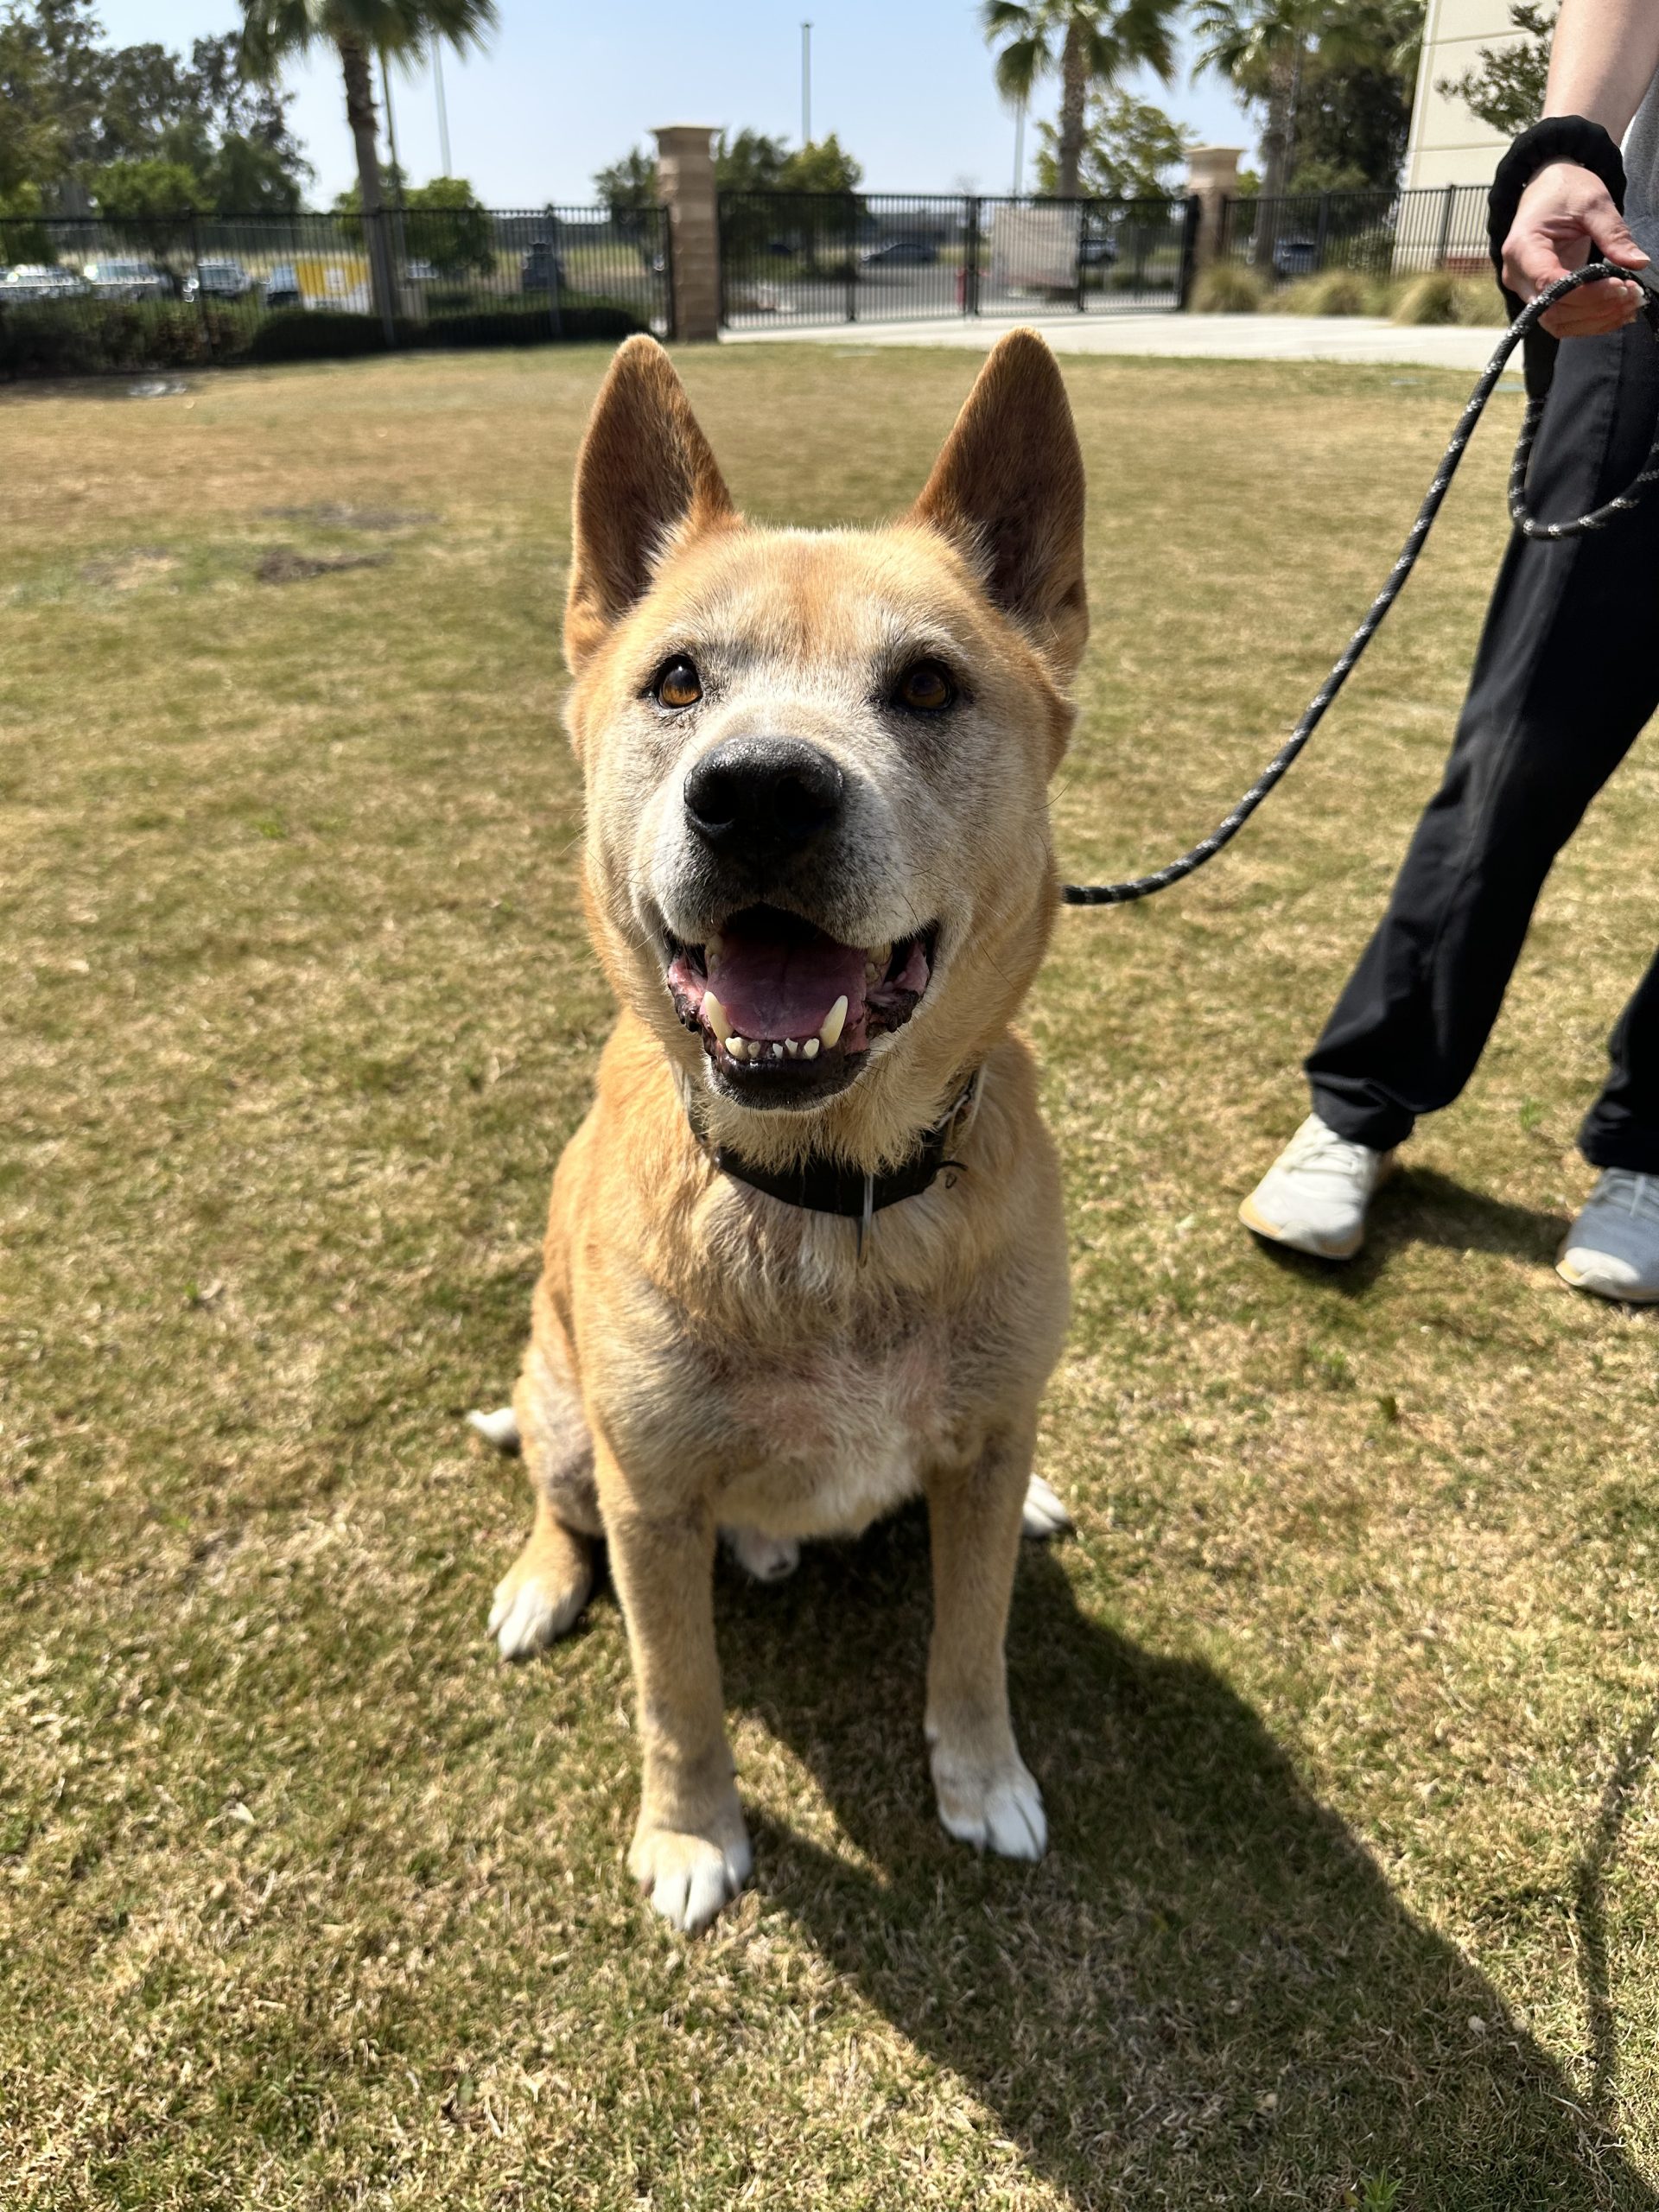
(1567, 217)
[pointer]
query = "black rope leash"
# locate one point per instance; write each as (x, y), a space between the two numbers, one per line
(1143, 886)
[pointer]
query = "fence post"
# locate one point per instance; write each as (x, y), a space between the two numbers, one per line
(1447, 211)
(685, 180)
(374, 236)
(1191, 220)
(1212, 179)
(970, 264)
(1324, 232)
(207, 319)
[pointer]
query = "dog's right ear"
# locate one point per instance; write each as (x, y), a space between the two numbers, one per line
(645, 481)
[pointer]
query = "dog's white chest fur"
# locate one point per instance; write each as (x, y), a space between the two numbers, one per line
(829, 1443)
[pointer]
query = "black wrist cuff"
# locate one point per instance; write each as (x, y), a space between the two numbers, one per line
(1557, 138)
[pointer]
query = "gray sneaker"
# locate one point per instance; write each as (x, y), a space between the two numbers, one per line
(1612, 1249)
(1315, 1196)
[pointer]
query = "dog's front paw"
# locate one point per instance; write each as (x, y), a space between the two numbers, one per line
(691, 1877)
(997, 1808)
(1043, 1515)
(767, 1559)
(540, 1597)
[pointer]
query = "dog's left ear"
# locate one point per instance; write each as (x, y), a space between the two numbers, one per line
(645, 482)
(1009, 490)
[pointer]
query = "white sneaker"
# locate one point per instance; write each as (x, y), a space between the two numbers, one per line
(1612, 1249)
(1314, 1196)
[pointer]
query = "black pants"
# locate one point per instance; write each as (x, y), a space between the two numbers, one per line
(1544, 726)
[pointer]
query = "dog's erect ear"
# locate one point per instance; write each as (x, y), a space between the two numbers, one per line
(1008, 489)
(645, 481)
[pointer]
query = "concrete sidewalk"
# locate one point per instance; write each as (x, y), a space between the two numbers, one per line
(1184, 337)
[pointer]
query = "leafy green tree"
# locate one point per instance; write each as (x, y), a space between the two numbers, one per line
(749, 162)
(628, 187)
(275, 31)
(1090, 43)
(1130, 151)
(824, 166)
(1506, 87)
(152, 201)
(446, 223)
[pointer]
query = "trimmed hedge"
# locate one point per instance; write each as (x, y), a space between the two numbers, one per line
(81, 338)
(296, 334)
(77, 338)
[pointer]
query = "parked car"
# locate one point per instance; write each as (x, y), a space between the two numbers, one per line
(1097, 253)
(218, 280)
(283, 287)
(1295, 256)
(36, 281)
(900, 253)
(420, 272)
(116, 279)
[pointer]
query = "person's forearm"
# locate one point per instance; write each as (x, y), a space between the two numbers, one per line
(1604, 58)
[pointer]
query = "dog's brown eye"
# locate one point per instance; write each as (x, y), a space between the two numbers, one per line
(926, 689)
(679, 684)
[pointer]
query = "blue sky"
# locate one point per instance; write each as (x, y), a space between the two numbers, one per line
(563, 88)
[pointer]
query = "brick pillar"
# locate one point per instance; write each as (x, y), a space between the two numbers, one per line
(1211, 177)
(686, 177)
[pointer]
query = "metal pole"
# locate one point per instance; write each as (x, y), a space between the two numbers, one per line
(1020, 150)
(806, 84)
(443, 112)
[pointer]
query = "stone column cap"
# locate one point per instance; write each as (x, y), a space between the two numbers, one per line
(686, 132)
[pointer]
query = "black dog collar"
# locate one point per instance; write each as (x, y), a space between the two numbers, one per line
(822, 1184)
(1557, 138)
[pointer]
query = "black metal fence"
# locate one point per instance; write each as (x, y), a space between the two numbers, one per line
(1377, 233)
(81, 297)
(789, 257)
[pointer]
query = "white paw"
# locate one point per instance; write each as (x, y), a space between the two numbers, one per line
(768, 1558)
(1043, 1515)
(689, 1878)
(1001, 1811)
(500, 1428)
(530, 1612)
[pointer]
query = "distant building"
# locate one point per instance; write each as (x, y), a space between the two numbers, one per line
(1448, 145)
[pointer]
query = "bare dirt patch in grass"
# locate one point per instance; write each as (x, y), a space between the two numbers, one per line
(283, 565)
(1342, 1697)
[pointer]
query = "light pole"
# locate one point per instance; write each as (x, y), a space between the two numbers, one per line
(1020, 150)
(443, 112)
(806, 84)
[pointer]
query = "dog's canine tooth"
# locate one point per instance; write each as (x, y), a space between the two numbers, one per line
(810, 1050)
(834, 1022)
(716, 1017)
(791, 1048)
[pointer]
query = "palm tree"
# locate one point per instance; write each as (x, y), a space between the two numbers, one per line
(1259, 46)
(274, 31)
(1091, 43)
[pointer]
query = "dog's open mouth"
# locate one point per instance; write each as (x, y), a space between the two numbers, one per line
(784, 1009)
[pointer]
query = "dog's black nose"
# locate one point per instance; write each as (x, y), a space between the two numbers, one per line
(762, 799)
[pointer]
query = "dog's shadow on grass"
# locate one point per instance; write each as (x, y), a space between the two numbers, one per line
(1208, 1993)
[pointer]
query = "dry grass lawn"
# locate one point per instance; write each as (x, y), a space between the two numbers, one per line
(1344, 1697)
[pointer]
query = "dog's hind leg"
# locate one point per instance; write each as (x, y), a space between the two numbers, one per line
(541, 1595)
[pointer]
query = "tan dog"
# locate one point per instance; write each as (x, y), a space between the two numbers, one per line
(818, 874)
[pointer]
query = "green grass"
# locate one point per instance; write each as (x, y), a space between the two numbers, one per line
(1344, 1700)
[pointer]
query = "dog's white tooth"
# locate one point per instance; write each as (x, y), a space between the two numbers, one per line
(716, 1015)
(879, 958)
(714, 945)
(834, 1022)
(737, 1048)
(777, 1052)
(810, 1050)
(791, 1048)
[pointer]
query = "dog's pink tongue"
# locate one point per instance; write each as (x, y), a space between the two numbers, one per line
(775, 990)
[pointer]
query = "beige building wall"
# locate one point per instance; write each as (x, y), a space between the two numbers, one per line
(1448, 145)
